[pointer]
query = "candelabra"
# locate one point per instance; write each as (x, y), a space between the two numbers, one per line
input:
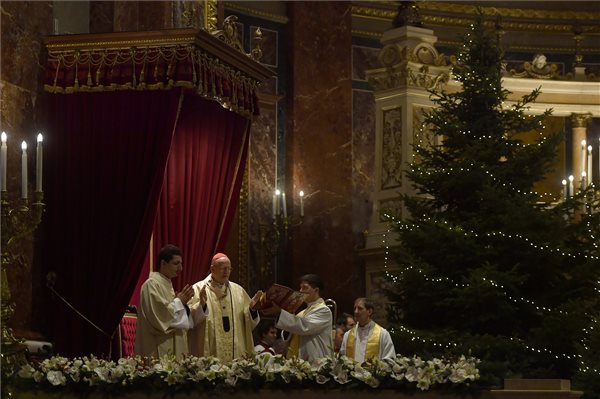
(275, 235)
(19, 220)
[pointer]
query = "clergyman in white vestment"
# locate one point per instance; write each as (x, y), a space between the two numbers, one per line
(226, 333)
(367, 339)
(163, 316)
(311, 328)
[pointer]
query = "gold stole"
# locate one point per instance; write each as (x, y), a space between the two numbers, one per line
(224, 308)
(372, 349)
(294, 348)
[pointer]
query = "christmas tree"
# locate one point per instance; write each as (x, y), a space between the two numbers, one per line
(488, 266)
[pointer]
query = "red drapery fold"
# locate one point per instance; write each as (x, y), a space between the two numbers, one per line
(104, 165)
(202, 184)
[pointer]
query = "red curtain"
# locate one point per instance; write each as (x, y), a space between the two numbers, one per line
(202, 184)
(105, 157)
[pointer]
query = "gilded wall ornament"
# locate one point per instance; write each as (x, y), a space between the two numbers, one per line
(538, 68)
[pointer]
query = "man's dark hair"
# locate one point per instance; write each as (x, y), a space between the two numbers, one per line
(314, 281)
(341, 321)
(264, 327)
(369, 304)
(167, 252)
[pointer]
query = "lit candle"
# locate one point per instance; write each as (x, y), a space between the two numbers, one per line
(284, 205)
(589, 165)
(583, 155)
(277, 197)
(38, 164)
(564, 183)
(3, 149)
(24, 170)
(571, 178)
(301, 203)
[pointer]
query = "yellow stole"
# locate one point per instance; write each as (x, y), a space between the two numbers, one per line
(372, 349)
(294, 347)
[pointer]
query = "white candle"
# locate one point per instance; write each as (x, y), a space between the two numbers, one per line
(38, 163)
(277, 197)
(583, 180)
(3, 152)
(564, 183)
(301, 203)
(274, 204)
(583, 155)
(284, 205)
(24, 170)
(571, 178)
(589, 165)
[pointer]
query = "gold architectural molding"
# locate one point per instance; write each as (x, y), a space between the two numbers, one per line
(257, 13)
(445, 20)
(580, 120)
(509, 12)
(210, 15)
(536, 49)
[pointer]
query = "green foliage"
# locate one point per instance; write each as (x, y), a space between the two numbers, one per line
(487, 266)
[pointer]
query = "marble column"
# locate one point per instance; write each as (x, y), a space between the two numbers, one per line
(578, 149)
(318, 149)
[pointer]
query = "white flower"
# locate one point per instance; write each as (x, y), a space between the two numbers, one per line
(26, 371)
(322, 379)
(38, 376)
(56, 378)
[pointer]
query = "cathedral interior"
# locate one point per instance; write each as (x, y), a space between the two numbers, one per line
(327, 120)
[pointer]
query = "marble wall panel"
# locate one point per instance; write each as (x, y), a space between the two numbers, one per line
(24, 24)
(262, 158)
(101, 16)
(143, 15)
(319, 148)
(363, 162)
(364, 58)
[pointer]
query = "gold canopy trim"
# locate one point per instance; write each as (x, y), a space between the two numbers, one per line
(156, 60)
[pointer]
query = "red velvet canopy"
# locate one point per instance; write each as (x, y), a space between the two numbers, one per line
(147, 136)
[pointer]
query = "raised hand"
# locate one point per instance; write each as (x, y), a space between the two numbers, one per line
(186, 294)
(256, 299)
(202, 294)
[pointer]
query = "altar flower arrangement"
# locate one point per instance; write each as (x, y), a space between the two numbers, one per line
(194, 373)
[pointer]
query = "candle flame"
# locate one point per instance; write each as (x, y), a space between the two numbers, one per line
(302, 193)
(4, 137)
(24, 145)
(40, 138)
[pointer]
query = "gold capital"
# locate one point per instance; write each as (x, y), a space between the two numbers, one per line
(580, 120)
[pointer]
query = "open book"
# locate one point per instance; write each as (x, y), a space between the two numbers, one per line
(284, 297)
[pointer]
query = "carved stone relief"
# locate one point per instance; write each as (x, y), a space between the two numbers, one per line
(392, 207)
(422, 133)
(391, 161)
